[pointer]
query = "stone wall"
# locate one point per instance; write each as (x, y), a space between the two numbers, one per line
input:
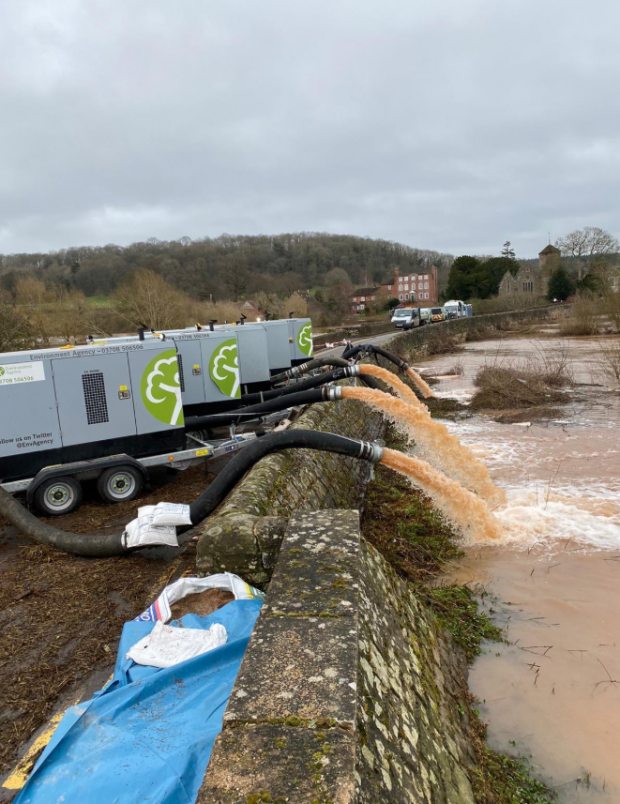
(245, 535)
(348, 691)
(417, 340)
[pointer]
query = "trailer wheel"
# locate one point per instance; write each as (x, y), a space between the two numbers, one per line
(120, 484)
(57, 496)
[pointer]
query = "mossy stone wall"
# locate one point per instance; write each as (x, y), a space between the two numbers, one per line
(348, 690)
(245, 535)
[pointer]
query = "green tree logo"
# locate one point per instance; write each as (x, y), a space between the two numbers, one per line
(161, 389)
(304, 340)
(224, 369)
(1, 371)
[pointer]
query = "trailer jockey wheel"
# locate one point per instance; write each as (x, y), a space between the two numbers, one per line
(120, 484)
(58, 496)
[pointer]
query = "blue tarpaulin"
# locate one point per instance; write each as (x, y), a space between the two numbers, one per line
(148, 735)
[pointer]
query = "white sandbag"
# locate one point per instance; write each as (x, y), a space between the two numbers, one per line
(160, 609)
(166, 646)
(171, 514)
(141, 532)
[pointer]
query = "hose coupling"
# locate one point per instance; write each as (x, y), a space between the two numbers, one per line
(333, 393)
(371, 451)
(297, 371)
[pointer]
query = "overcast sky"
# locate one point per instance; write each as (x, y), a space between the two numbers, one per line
(444, 124)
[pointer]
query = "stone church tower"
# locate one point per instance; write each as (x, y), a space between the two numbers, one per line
(529, 279)
(548, 262)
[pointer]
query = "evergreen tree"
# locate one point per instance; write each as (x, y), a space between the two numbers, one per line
(461, 281)
(561, 286)
(471, 278)
(592, 283)
(508, 252)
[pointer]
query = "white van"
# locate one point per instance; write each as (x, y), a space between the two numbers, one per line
(455, 309)
(406, 317)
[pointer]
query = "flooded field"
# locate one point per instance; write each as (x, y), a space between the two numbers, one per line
(554, 575)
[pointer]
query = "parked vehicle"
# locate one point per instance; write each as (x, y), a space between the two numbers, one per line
(426, 316)
(437, 314)
(406, 317)
(456, 309)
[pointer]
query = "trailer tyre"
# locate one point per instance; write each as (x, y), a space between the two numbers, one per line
(58, 496)
(120, 484)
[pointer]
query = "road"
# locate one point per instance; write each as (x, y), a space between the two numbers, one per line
(377, 340)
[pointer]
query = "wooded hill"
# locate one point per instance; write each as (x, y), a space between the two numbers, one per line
(229, 266)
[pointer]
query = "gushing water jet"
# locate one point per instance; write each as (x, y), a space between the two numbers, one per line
(371, 349)
(468, 512)
(388, 377)
(441, 448)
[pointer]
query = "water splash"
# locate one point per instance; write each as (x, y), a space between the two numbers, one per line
(440, 447)
(421, 384)
(527, 519)
(467, 511)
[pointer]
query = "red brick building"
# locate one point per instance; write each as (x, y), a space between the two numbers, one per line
(419, 288)
(363, 296)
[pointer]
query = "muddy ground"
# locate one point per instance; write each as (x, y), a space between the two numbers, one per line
(63, 615)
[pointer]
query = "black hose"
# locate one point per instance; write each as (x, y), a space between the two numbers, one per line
(104, 546)
(210, 499)
(369, 348)
(317, 362)
(304, 368)
(92, 546)
(301, 385)
(239, 415)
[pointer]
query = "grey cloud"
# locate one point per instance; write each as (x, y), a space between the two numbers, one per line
(449, 125)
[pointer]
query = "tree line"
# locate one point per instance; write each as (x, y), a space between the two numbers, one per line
(588, 256)
(227, 267)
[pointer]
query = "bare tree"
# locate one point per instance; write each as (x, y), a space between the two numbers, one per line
(585, 243)
(269, 304)
(69, 313)
(236, 274)
(15, 330)
(146, 298)
(32, 299)
(337, 276)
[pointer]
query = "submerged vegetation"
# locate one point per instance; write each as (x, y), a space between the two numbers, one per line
(537, 382)
(501, 779)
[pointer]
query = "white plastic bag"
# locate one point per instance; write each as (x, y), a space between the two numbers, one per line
(166, 646)
(160, 609)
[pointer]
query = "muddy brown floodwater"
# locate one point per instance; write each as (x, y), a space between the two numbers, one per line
(554, 578)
